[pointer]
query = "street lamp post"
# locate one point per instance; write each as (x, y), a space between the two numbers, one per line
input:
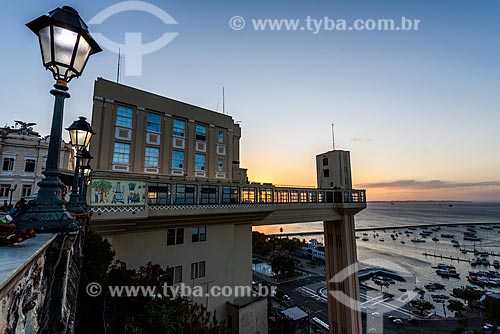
(85, 171)
(66, 46)
(11, 190)
(80, 133)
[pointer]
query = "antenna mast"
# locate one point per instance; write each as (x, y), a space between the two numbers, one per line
(333, 136)
(223, 101)
(118, 72)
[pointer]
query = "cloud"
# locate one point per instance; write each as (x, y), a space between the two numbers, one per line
(359, 139)
(430, 184)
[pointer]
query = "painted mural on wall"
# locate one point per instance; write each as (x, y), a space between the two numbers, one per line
(114, 192)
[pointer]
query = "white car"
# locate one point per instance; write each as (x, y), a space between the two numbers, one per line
(398, 321)
(376, 315)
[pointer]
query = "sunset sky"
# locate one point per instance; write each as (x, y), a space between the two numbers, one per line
(419, 110)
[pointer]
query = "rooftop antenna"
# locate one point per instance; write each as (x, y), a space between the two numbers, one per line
(118, 72)
(333, 136)
(223, 101)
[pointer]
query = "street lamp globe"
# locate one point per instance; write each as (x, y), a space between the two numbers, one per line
(86, 157)
(65, 42)
(80, 133)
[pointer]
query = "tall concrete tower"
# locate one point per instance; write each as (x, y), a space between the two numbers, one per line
(334, 171)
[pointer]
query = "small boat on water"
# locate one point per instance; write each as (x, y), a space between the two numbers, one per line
(403, 242)
(456, 245)
(365, 239)
(435, 239)
(381, 240)
(496, 264)
(434, 286)
(471, 238)
(447, 273)
(485, 254)
(475, 262)
(417, 240)
(449, 236)
(486, 227)
(485, 262)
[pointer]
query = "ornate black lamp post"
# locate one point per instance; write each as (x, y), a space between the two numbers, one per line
(66, 46)
(11, 190)
(80, 133)
(85, 176)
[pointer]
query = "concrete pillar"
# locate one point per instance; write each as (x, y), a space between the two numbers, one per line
(344, 315)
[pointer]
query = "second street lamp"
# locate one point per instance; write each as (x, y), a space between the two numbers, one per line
(85, 171)
(80, 133)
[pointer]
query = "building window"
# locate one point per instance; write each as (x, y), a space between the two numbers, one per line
(4, 190)
(220, 165)
(185, 194)
(8, 164)
(198, 269)
(174, 275)
(325, 161)
(177, 160)
(201, 132)
(175, 236)
(121, 154)
(159, 194)
(248, 195)
(26, 190)
(265, 195)
(152, 157)
(29, 165)
(179, 128)
(230, 195)
(294, 196)
(209, 194)
(220, 137)
(199, 233)
(326, 172)
(154, 121)
(199, 163)
(124, 116)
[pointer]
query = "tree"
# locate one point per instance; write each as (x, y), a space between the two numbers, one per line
(290, 245)
(471, 296)
(456, 306)
(492, 310)
(283, 265)
(422, 305)
(261, 244)
(97, 259)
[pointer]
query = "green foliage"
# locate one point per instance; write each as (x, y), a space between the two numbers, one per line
(102, 186)
(492, 310)
(97, 259)
(471, 296)
(456, 306)
(260, 244)
(146, 315)
(283, 265)
(422, 305)
(291, 245)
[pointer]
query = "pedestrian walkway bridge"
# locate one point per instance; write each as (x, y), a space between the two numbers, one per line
(122, 205)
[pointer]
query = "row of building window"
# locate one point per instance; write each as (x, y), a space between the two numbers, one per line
(9, 163)
(174, 274)
(124, 119)
(175, 236)
(25, 191)
(182, 194)
(121, 156)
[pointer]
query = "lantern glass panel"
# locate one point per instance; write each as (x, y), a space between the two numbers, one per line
(82, 54)
(64, 44)
(45, 42)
